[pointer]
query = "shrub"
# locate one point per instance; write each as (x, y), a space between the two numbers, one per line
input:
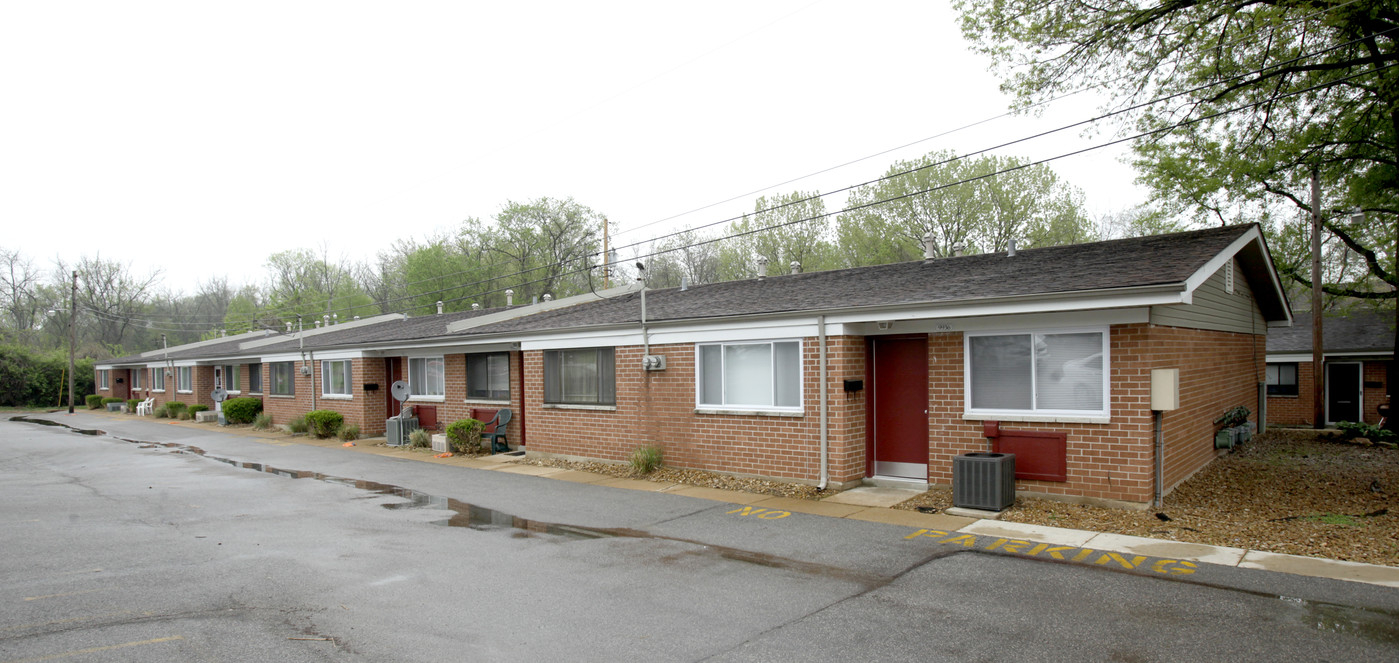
(324, 423)
(242, 410)
(175, 408)
(194, 409)
(131, 404)
(261, 421)
(162, 412)
(1353, 429)
(420, 438)
(646, 459)
(465, 435)
(299, 425)
(109, 400)
(94, 401)
(185, 415)
(348, 432)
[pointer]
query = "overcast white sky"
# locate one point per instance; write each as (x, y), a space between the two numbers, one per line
(201, 137)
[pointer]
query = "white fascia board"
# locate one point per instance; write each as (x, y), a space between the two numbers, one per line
(185, 362)
(1058, 320)
(1281, 358)
(272, 359)
(305, 333)
(687, 332)
(1125, 298)
(336, 354)
(456, 348)
(522, 311)
(1250, 236)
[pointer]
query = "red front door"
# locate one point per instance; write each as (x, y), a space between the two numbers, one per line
(899, 401)
(393, 368)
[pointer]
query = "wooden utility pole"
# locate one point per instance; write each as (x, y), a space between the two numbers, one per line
(1318, 376)
(72, 337)
(606, 259)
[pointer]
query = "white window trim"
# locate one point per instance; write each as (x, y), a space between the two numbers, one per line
(743, 408)
(435, 398)
(258, 390)
(1049, 416)
(272, 380)
(105, 380)
(349, 382)
(178, 370)
(466, 366)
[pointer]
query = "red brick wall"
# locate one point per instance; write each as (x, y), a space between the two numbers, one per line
(1297, 410)
(286, 408)
(1114, 461)
(658, 407)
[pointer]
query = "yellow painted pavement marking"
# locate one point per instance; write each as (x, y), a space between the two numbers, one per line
(57, 596)
(93, 650)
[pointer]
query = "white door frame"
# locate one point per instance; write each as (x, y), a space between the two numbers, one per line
(1359, 388)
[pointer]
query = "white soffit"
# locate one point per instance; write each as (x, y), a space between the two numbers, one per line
(365, 322)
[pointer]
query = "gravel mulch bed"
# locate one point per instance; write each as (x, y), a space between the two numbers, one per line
(1298, 492)
(687, 477)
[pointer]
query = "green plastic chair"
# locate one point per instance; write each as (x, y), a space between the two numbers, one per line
(496, 426)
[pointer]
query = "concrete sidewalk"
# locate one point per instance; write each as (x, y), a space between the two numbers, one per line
(874, 504)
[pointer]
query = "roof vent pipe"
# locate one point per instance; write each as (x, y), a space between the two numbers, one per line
(1010, 248)
(509, 297)
(318, 324)
(959, 249)
(796, 267)
(327, 319)
(335, 317)
(548, 298)
(684, 283)
(289, 326)
(475, 306)
(356, 317)
(762, 267)
(929, 249)
(439, 307)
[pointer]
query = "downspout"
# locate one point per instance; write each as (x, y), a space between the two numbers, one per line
(825, 437)
(1159, 458)
(313, 377)
(645, 339)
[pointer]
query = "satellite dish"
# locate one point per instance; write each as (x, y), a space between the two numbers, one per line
(399, 390)
(220, 395)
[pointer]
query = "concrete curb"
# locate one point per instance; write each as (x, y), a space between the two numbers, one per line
(1386, 576)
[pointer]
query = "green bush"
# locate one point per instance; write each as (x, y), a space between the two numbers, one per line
(94, 401)
(185, 415)
(109, 400)
(131, 404)
(241, 410)
(420, 438)
(1361, 429)
(175, 408)
(465, 435)
(261, 421)
(30, 378)
(646, 459)
(161, 411)
(194, 409)
(299, 425)
(324, 423)
(348, 432)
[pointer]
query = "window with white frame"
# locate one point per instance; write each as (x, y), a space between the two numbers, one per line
(230, 379)
(255, 378)
(283, 378)
(1282, 379)
(427, 376)
(104, 379)
(488, 376)
(184, 378)
(1060, 372)
(335, 377)
(580, 377)
(158, 379)
(762, 375)
(137, 379)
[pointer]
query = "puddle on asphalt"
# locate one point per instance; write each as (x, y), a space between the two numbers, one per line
(1372, 625)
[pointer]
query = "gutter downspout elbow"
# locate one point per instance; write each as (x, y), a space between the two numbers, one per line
(825, 431)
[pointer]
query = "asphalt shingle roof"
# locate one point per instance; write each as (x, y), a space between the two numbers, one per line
(1357, 331)
(1134, 262)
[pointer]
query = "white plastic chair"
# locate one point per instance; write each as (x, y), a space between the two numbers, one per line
(144, 407)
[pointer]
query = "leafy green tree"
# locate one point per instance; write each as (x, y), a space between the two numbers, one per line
(1247, 99)
(783, 229)
(960, 202)
(310, 285)
(545, 246)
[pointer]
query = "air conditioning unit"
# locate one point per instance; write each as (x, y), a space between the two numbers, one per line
(983, 481)
(305, 370)
(396, 430)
